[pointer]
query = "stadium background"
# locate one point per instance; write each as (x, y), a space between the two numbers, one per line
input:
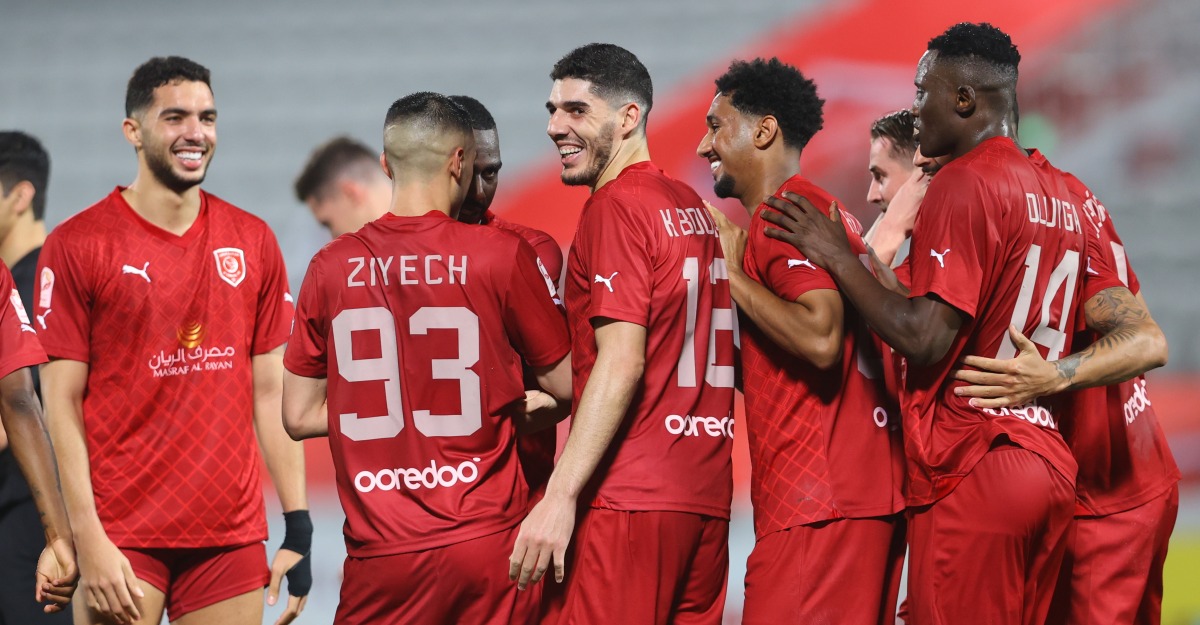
(1109, 89)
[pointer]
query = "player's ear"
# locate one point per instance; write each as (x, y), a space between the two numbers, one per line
(132, 129)
(964, 102)
(23, 193)
(766, 132)
(387, 171)
(631, 118)
(457, 160)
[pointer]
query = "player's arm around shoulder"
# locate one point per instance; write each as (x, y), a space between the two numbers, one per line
(808, 326)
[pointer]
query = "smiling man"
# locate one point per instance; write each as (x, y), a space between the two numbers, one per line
(164, 310)
(824, 445)
(647, 463)
(998, 243)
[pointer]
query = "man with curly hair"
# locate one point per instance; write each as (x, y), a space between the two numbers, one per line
(824, 445)
(1000, 251)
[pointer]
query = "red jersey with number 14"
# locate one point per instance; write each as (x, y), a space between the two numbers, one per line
(646, 252)
(168, 326)
(1003, 243)
(420, 324)
(1113, 431)
(824, 444)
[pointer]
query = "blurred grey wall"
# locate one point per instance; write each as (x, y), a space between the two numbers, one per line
(288, 75)
(1119, 105)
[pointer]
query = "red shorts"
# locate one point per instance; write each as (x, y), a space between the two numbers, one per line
(648, 568)
(465, 582)
(990, 551)
(1113, 570)
(196, 578)
(844, 571)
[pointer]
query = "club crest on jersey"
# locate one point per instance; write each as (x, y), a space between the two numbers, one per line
(231, 265)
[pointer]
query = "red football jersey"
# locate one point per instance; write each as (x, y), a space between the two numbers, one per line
(168, 325)
(549, 254)
(1002, 242)
(1124, 459)
(646, 252)
(19, 346)
(823, 444)
(420, 325)
(537, 449)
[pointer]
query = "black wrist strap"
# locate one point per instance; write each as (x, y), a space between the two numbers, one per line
(298, 530)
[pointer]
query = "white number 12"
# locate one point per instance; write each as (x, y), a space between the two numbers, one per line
(721, 376)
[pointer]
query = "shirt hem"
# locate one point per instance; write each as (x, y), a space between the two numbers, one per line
(444, 540)
(1090, 509)
(660, 506)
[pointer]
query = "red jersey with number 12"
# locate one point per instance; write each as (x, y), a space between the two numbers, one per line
(646, 252)
(168, 326)
(1003, 243)
(420, 324)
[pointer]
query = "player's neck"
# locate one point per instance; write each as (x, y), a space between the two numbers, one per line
(990, 129)
(629, 152)
(773, 172)
(26, 235)
(168, 209)
(416, 199)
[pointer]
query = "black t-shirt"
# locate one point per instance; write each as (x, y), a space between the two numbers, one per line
(13, 488)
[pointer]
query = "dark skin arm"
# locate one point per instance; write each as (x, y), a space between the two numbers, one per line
(921, 329)
(21, 412)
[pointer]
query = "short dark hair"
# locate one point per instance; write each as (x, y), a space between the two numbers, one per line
(980, 42)
(481, 118)
(22, 157)
(159, 71)
(615, 73)
(432, 108)
(896, 127)
(328, 161)
(771, 87)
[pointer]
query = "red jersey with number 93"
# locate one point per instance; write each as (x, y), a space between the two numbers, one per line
(646, 252)
(1004, 243)
(420, 323)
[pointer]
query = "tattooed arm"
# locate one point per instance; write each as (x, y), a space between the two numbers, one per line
(1131, 344)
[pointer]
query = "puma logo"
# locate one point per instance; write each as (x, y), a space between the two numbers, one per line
(134, 270)
(792, 262)
(607, 281)
(940, 257)
(41, 319)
